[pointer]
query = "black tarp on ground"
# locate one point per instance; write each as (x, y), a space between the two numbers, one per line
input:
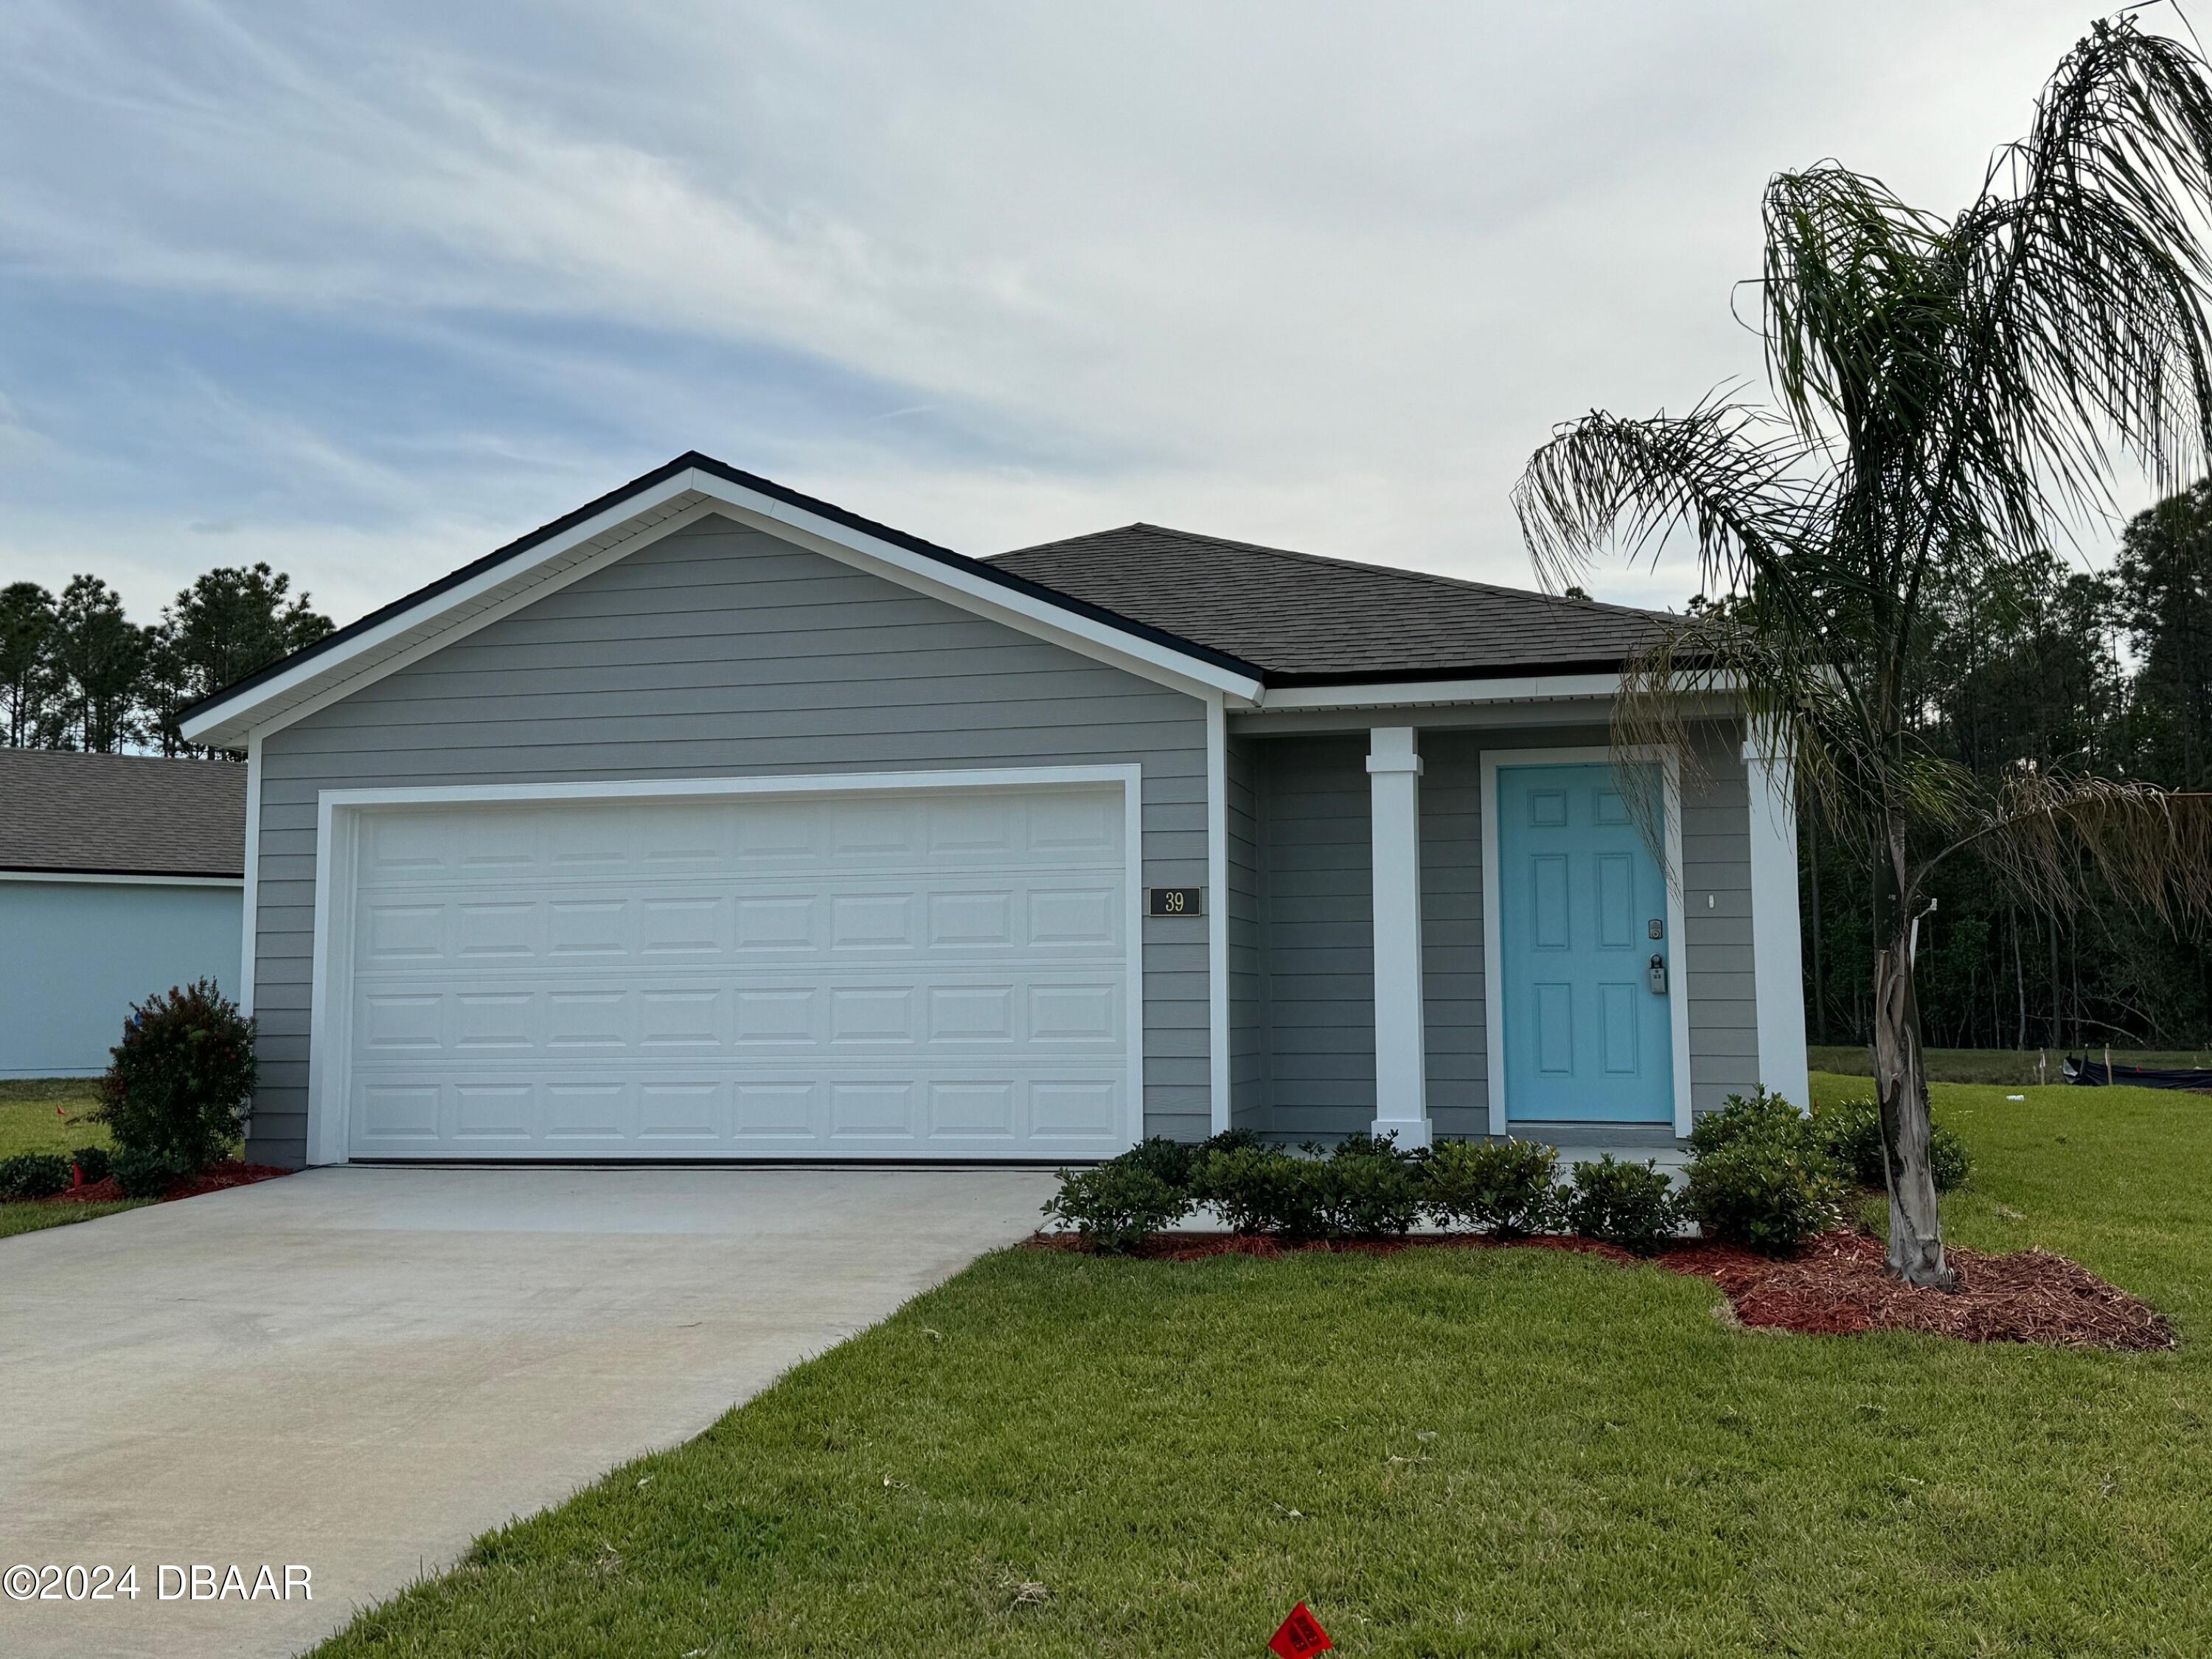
(2092, 1073)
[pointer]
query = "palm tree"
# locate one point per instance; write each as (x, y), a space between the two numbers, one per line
(1944, 393)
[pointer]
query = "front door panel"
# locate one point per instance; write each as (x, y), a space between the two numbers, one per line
(1589, 1035)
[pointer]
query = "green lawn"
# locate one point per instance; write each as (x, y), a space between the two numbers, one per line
(29, 1123)
(1444, 1452)
(2015, 1066)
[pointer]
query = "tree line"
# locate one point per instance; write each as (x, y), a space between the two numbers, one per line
(2108, 673)
(76, 673)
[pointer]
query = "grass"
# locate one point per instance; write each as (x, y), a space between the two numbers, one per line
(2015, 1066)
(1510, 1452)
(30, 1122)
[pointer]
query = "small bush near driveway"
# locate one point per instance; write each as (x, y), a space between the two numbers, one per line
(33, 1174)
(182, 1078)
(145, 1174)
(1115, 1207)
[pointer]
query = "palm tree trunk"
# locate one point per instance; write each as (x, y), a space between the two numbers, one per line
(1916, 1230)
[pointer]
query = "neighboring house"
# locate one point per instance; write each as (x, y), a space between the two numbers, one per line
(713, 821)
(120, 876)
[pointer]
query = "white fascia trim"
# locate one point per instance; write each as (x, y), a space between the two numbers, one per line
(1220, 1080)
(1777, 947)
(249, 935)
(95, 878)
(1521, 688)
(337, 817)
(1530, 688)
(1678, 969)
(972, 593)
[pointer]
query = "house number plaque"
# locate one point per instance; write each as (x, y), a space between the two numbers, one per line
(1175, 901)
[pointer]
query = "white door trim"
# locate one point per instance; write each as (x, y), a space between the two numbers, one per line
(1494, 984)
(337, 817)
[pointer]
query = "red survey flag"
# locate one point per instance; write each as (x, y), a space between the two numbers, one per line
(1300, 1636)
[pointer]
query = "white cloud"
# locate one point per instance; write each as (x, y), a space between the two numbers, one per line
(1320, 276)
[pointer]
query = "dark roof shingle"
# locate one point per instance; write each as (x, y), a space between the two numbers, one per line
(121, 814)
(1306, 620)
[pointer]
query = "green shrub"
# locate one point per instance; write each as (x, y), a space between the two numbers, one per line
(1631, 1204)
(144, 1173)
(33, 1174)
(180, 1082)
(1508, 1187)
(1759, 1114)
(1229, 1140)
(1264, 1189)
(1768, 1191)
(94, 1162)
(1115, 1207)
(1850, 1133)
(1368, 1189)
(1169, 1160)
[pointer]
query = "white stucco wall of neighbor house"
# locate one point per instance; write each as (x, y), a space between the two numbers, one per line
(75, 954)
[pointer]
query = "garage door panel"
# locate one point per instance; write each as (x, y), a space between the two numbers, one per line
(854, 1013)
(837, 833)
(701, 920)
(922, 973)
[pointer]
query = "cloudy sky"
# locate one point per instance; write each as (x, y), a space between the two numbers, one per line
(366, 290)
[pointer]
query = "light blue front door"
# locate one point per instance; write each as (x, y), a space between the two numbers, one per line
(1588, 1037)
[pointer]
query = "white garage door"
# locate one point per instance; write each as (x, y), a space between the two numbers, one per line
(910, 972)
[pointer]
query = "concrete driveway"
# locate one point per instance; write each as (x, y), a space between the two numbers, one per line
(357, 1371)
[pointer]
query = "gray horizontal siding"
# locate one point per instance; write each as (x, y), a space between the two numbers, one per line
(1315, 941)
(1248, 1003)
(720, 650)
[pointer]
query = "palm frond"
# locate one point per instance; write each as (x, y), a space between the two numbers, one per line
(2059, 839)
(2085, 264)
(1725, 473)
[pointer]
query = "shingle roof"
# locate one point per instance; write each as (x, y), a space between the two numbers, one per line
(121, 814)
(1305, 619)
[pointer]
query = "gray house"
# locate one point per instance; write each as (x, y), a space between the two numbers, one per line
(120, 876)
(712, 821)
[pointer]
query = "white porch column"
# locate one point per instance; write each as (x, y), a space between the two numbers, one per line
(1777, 951)
(1401, 1090)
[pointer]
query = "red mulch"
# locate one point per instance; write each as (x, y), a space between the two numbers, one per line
(215, 1179)
(1837, 1286)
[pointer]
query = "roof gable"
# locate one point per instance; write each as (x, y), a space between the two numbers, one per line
(644, 509)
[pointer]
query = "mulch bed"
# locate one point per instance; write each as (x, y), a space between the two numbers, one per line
(1837, 1286)
(221, 1177)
